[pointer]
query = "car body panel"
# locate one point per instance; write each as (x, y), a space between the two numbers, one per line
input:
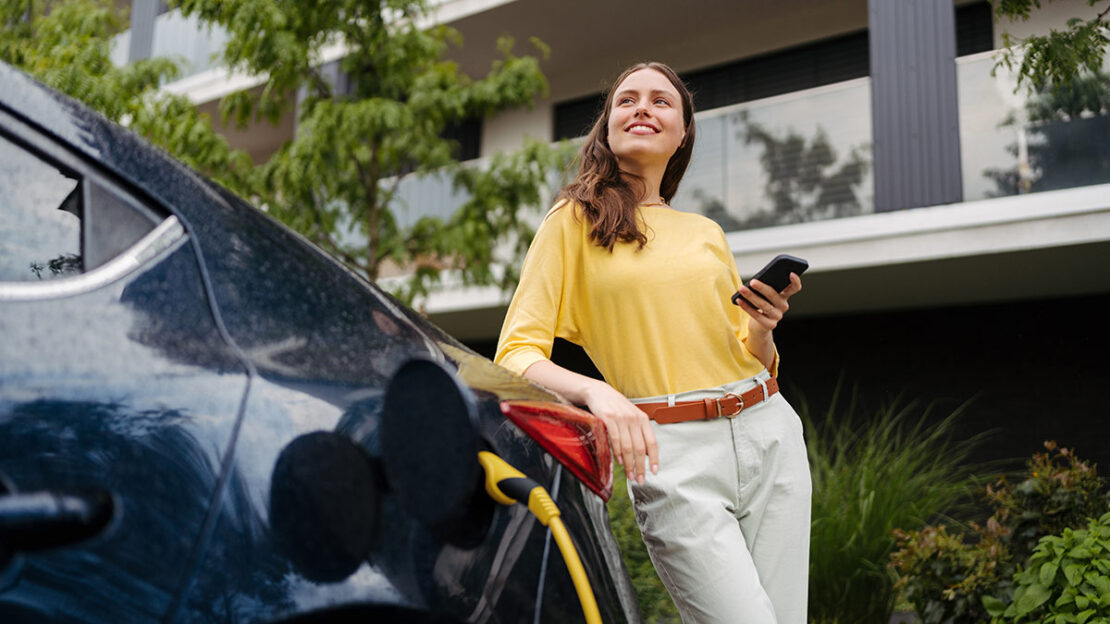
(158, 447)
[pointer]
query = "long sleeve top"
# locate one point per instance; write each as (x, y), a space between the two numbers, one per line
(656, 320)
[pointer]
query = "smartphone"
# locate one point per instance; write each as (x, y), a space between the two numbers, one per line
(776, 275)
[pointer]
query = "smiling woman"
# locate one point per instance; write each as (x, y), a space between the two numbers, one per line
(645, 289)
(646, 125)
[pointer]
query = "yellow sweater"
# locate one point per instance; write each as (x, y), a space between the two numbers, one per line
(656, 320)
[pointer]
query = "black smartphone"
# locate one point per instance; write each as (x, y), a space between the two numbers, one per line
(776, 275)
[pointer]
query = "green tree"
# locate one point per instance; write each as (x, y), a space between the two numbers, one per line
(1061, 56)
(67, 45)
(385, 118)
(389, 116)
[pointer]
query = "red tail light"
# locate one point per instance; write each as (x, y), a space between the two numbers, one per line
(574, 437)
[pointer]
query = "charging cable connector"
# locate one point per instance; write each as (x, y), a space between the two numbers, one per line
(507, 485)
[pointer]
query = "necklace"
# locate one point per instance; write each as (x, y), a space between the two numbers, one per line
(661, 202)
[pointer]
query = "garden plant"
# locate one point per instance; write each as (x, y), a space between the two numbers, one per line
(1039, 557)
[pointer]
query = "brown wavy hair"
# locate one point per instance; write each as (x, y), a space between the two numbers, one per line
(608, 199)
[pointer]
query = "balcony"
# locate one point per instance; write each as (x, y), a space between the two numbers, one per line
(793, 173)
(1014, 144)
(806, 156)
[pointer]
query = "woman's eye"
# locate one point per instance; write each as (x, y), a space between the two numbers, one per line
(662, 102)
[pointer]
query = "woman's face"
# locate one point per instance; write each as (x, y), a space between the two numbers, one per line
(645, 120)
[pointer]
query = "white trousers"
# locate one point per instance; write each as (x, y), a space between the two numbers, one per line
(726, 520)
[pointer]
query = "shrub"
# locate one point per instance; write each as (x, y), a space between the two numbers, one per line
(948, 573)
(894, 467)
(1067, 580)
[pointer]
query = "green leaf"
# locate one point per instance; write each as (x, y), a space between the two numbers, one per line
(1083, 616)
(1048, 572)
(1034, 596)
(1100, 582)
(993, 605)
(1074, 573)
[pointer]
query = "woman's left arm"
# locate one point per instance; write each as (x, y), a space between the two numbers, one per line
(762, 320)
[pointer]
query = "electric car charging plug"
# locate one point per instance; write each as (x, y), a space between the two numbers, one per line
(507, 485)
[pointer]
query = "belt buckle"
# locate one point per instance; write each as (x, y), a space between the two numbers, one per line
(739, 407)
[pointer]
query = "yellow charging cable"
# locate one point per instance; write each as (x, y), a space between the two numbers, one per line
(507, 485)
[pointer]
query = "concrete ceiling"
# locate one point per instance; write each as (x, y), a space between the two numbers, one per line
(592, 41)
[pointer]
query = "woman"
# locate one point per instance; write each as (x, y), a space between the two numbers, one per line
(721, 498)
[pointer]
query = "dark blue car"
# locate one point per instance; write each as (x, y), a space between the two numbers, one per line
(203, 418)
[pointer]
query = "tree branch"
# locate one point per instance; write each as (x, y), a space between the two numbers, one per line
(323, 89)
(386, 199)
(369, 181)
(1098, 18)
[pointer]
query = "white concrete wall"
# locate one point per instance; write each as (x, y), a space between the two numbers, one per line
(506, 132)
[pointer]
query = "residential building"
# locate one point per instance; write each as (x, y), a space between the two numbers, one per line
(958, 229)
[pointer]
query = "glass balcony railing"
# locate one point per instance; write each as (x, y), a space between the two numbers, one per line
(802, 156)
(799, 157)
(431, 195)
(806, 156)
(187, 39)
(1013, 143)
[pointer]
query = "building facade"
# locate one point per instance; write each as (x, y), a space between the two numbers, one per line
(958, 229)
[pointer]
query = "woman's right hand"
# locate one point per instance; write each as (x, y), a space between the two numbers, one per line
(630, 434)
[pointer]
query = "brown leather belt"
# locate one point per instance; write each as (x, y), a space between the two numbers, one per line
(728, 406)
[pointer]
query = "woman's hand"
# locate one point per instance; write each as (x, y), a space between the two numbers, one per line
(630, 434)
(765, 316)
(769, 310)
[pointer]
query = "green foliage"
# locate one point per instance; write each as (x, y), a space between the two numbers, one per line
(357, 137)
(1067, 579)
(1060, 56)
(893, 467)
(385, 119)
(1059, 491)
(944, 578)
(655, 602)
(67, 45)
(954, 574)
